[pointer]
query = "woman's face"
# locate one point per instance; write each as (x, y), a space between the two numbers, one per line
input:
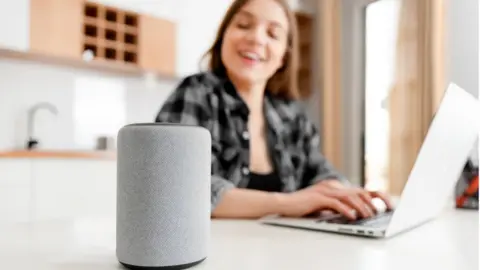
(255, 42)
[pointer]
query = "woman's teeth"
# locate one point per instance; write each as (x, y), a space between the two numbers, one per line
(251, 56)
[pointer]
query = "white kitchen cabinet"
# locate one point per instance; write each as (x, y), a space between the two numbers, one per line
(73, 188)
(15, 190)
(15, 24)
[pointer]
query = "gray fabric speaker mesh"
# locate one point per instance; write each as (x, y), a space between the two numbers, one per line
(163, 194)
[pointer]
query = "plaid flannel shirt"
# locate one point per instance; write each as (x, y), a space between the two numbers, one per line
(211, 101)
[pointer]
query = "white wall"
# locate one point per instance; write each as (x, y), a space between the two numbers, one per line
(463, 44)
(463, 49)
(14, 24)
(197, 31)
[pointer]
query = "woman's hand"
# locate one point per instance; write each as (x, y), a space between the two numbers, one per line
(307, 201)
(358, 198)
(332, 195)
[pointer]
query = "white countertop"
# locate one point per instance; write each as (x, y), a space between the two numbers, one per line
(450, 242)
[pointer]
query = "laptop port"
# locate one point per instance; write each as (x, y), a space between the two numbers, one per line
(370, 232)
(361, 231)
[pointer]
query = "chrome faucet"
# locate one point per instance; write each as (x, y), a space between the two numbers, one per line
(32, 142)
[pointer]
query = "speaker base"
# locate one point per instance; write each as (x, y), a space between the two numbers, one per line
(170, 267)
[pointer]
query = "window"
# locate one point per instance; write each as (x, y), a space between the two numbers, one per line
(381, 36)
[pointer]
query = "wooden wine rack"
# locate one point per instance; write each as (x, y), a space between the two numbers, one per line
(111, 34)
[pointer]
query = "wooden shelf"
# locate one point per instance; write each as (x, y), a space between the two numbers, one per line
(100, 65)
(305, 32)
(67, 32)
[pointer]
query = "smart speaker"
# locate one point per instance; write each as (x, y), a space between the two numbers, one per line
(163, 195)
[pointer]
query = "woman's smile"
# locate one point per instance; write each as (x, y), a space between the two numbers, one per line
(251, 58)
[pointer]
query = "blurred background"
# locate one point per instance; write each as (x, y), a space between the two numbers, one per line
(72, 72)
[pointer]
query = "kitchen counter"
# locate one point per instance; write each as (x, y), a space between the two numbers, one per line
(62, 154)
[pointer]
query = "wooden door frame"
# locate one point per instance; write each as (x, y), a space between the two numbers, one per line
(328, 40)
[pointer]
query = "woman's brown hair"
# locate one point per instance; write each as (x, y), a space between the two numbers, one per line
(284, 83)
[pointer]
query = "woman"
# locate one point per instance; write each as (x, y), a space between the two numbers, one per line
(265, 157)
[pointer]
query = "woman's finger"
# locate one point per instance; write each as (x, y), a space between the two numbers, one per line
(359, 205)
(336, 205)
(365, 196)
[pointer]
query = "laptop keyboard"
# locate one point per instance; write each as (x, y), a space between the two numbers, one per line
(379, 220)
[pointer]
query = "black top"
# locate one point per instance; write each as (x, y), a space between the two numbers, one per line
(266, 182)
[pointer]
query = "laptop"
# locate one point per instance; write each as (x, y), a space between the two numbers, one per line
(431, 183)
